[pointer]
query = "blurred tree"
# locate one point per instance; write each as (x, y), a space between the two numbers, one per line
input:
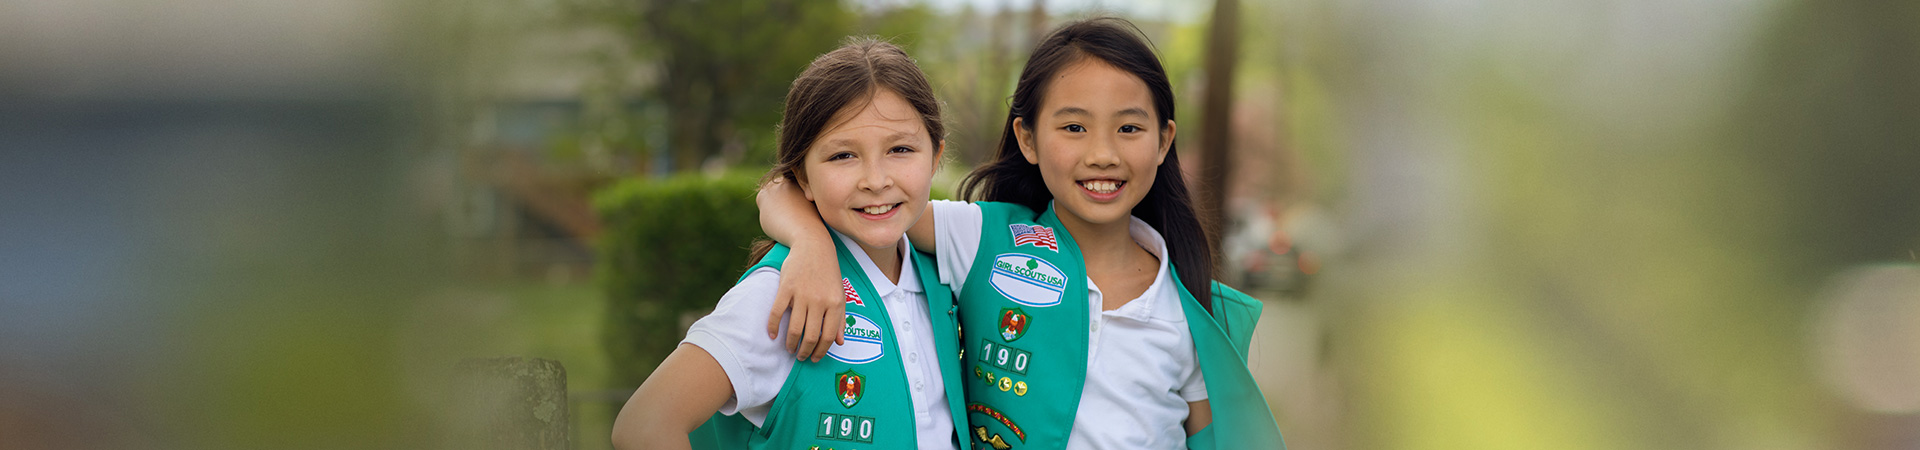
(1832, 120)
(1216, 128)
(723, 67)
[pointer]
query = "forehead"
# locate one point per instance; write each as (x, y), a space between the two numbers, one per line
(1094, 85)
(882, 115)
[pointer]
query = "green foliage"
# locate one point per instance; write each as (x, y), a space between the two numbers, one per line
(726, 66)
(672, 247)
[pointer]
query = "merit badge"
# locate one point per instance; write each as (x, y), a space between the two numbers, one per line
(1013, 323)
(1020, 388)
(851, 386)
(1035, 235)
(852, 295)
(993, 440)
(1027, 280)
(864, 341)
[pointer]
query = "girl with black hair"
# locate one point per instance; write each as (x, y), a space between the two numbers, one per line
(1080, 268)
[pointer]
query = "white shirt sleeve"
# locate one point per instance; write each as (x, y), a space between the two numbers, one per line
(735, 334)
(956, 231)
(1195, 387)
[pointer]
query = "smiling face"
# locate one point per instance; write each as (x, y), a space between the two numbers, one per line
(869, 173)
(1097, 141)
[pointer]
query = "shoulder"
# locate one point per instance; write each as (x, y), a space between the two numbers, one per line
(757, 286)
(1006, 212)
(1238, 311)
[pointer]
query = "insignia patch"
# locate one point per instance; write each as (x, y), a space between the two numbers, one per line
(1027, 280)
(853, 296)
(1034, 235)
(863, 341)
(1020, 388)
(991, 413)
(851, 386)
(843, 427)
(993, 440)
(1013, 323)
(1004, 357)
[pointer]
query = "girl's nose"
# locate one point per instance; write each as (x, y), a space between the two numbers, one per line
(1104, 153)
(875, 178)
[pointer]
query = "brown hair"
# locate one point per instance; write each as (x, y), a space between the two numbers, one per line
(1168, 208)
(846, 77)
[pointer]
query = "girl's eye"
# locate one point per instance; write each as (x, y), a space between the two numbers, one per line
(901, 149)
(839, 156)
(1074, 128)
(1129, 129)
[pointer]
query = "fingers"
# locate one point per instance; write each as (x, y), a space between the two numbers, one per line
(839, 327)
(780, 301)
(796, 324)
(807, 345)
(823, 342)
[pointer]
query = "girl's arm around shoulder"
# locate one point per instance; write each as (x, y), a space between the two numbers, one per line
(686, 389)
(810, 280)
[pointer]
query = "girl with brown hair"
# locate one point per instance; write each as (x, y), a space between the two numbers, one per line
(860, 138)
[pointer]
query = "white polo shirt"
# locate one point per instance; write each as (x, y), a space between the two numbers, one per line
(1141, 369)
(735, 334)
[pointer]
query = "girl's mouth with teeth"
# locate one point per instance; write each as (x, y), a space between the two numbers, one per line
(877, 210)
(1102, 187)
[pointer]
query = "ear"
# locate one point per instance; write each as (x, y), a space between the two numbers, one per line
(1166, 143)
(1024, 136)
(800, 179)
(939, 151)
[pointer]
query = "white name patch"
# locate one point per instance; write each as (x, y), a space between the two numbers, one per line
(1027, 280)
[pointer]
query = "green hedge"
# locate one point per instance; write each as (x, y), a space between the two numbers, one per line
(672, 246)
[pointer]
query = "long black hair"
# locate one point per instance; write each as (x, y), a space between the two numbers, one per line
(1167, 207)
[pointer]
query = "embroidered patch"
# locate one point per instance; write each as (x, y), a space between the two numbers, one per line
(844, 427)
(1004, 357)
(1034, 235)
(1013, 323)
(1020, 388)
(863, 341)
(991, 440)
(1027, 280)
(851, 386)
(853, 296)
(982, 408)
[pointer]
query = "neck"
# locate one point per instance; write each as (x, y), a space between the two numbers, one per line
(1105, 242)
(887, 259)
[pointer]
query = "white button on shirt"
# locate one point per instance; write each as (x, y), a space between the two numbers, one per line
(758, 367)
(1141, 368)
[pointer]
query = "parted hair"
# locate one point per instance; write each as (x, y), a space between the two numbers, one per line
(847, 77)
(1168, 206)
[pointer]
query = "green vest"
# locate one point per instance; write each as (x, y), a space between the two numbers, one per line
(857, 397)
(1024, 318)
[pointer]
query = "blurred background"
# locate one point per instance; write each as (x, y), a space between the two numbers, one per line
(1492, 224)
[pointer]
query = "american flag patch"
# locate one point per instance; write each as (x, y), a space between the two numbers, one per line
(1036, 235)
(852, 296)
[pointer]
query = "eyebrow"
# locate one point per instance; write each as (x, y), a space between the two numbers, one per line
(1077, 111)
(891, 138)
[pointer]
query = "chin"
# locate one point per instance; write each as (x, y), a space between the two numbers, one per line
(1101, 214)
